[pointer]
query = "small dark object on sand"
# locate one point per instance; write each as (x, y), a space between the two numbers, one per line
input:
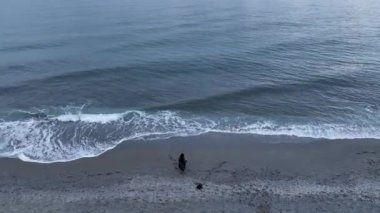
(199, 186)
(182, 162)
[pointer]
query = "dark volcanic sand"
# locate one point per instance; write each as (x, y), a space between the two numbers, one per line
(239, 173)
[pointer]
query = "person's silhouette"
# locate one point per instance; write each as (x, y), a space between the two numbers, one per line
(182, 162)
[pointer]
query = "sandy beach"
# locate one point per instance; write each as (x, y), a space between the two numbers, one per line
(239, 173)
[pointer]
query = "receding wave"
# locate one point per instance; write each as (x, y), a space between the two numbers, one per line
(72, 136)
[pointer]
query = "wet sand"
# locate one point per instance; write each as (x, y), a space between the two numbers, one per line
(240, 173)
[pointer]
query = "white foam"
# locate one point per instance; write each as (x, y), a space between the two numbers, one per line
(326, 131)
(90, 118)
(71, 136)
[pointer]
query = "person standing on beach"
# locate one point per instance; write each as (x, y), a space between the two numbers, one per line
(182, 162)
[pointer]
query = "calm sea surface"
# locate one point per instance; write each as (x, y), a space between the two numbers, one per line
(77, 77)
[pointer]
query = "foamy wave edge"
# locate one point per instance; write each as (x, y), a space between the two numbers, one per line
(71, 136)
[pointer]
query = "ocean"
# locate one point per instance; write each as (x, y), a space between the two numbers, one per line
(79, 77)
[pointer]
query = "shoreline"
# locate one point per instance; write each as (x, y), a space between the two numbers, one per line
(240, 173)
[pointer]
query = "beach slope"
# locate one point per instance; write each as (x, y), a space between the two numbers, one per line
(239, 173)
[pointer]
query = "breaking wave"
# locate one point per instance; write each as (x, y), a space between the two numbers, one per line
(58, 138)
